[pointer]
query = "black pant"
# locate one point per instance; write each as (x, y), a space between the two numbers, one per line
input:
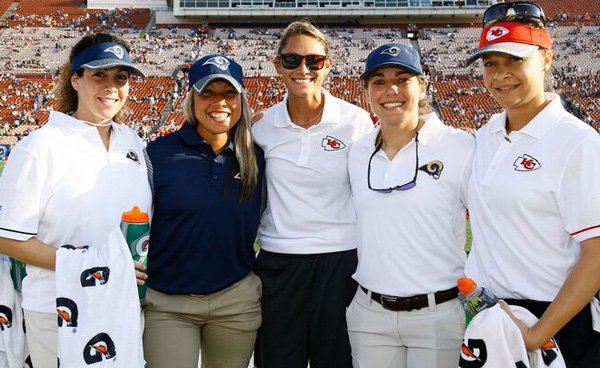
(304, 309)
(577, 341)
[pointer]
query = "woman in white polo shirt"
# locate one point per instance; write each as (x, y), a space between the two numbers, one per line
(307, 233)
(533, 196)
(408, 180)
(69, 182)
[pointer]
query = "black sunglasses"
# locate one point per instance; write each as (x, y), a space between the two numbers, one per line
(521, 8)
(411, 184)
(292, 61)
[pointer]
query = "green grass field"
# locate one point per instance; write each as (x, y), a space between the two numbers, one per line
(2, 166)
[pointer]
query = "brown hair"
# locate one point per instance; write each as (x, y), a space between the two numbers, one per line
(425, 103)
(67, 96)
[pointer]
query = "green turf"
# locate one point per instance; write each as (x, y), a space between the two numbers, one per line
(469, 237)
(2, 166)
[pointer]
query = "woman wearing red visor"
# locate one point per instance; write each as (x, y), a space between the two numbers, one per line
(533, 195)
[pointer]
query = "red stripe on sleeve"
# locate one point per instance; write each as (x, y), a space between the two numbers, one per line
(586, 229)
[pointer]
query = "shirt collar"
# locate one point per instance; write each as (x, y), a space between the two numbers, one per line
(191, 137)
(540, 124)
(331, 112)
(66, 121)
(428, 134)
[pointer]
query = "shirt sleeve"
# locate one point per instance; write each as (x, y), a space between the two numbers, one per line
(579, 194)
(21, 196)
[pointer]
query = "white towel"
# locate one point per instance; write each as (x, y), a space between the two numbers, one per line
(99, 314)
(493, 340)
(13, 347)
(595, 305)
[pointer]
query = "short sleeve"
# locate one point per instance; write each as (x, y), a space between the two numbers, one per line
(579, 194)
(21, 187)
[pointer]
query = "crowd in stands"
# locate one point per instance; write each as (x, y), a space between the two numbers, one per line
(34, 40)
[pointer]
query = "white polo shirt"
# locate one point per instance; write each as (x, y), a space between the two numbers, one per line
(412, 242)
(61, 186)
(534, 194)
(309, 209)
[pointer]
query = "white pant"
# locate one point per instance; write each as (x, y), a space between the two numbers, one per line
(42, 337)
(429, 337)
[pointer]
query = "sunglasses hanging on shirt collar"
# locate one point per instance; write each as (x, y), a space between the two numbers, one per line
(406, 186)
(519, 8)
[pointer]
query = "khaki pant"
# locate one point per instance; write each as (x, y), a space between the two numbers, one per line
(42, 338)
(430, 337)
(222, 324)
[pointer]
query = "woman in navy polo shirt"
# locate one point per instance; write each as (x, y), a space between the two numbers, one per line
(206, 181)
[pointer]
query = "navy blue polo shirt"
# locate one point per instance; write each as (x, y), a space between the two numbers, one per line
(201, 235)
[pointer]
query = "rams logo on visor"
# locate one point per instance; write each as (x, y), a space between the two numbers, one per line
(6, 317)
(118, 51)
(218, 61)
(393, 51)
(496, 32)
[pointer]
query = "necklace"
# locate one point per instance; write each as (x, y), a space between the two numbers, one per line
(314, 118)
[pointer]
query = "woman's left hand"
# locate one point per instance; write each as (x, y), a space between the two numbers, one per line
(140, 273)
(532, 341)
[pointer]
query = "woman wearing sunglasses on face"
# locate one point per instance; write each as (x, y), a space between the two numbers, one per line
(533, 194)
(206, 180)
(307, 234)
(70, 181)
(408, 180)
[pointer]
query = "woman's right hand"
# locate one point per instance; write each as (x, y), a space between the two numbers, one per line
(140, 273)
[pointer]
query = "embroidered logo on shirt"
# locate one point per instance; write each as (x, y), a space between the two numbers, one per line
(433, 168)
(6, 316)
(67, 312)
(99, 347)
(473, 354)
(132, 155)
(83, 248)
(330, 143)
(526, 163)
(95, 276)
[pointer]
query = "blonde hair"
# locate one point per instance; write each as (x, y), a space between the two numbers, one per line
(242, 141)
(305, 27)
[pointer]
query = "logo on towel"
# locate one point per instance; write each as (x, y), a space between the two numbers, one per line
(95, 276)
(330, 143)
(6, 317)
(67, 312)
(98, 348)
(473, 354)
(526, 163)
(30, 364)
(83, 248)
(549, 352)
(132, 156)
(433, 168)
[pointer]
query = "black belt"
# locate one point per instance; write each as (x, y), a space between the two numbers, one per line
(405, 304)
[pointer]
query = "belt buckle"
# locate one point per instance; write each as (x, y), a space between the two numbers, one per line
(388, 302)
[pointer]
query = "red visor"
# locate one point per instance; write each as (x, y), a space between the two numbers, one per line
(515, 32)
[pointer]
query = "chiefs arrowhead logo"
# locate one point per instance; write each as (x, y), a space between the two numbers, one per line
(6, 317)
(496, 32)
(526, 163)
(330, 143)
